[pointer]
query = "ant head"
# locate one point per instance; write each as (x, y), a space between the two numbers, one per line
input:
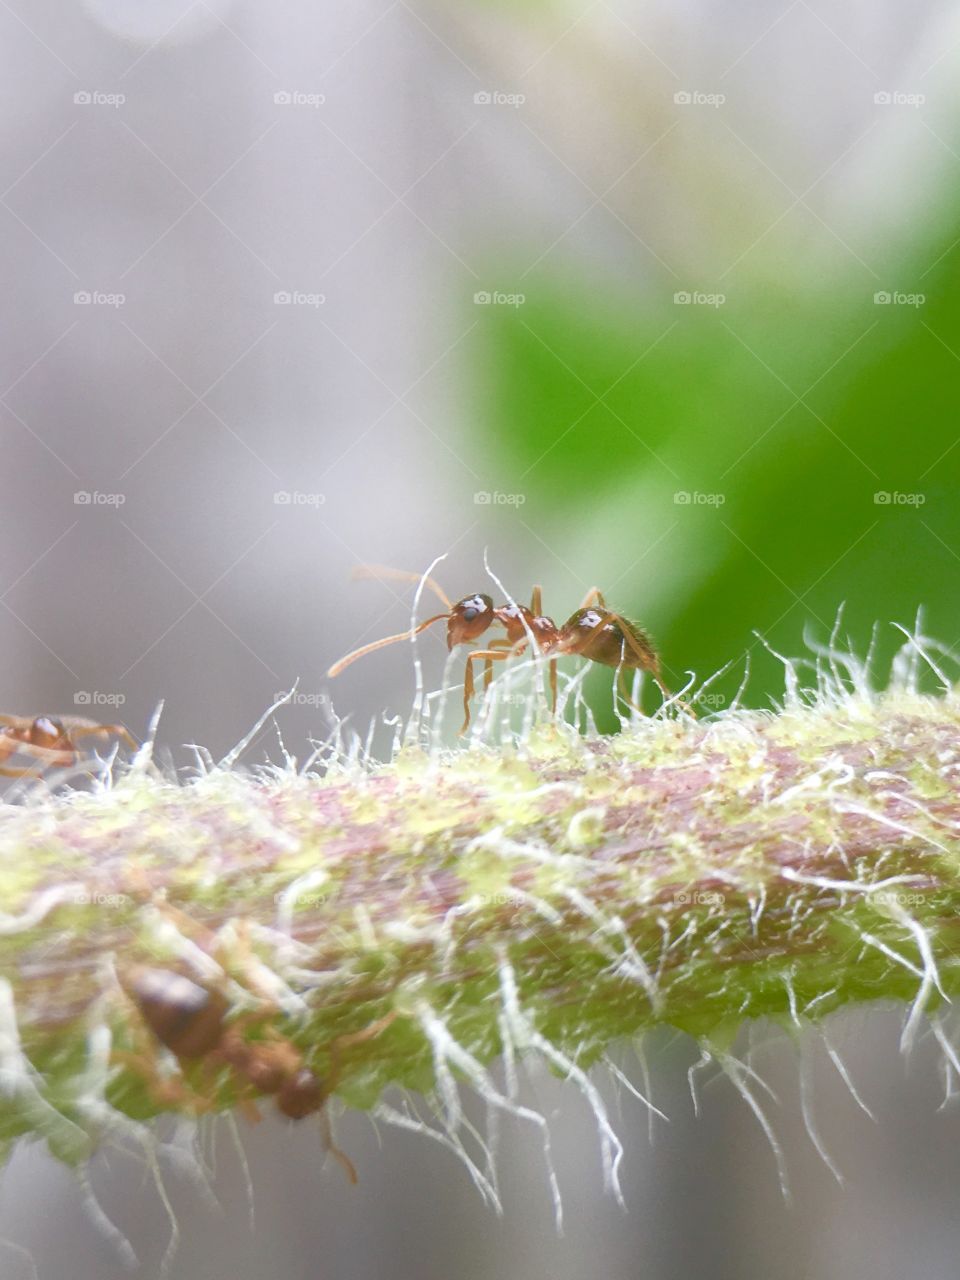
(468, 619)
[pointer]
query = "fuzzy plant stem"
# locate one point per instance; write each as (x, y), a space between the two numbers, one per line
(541, 899)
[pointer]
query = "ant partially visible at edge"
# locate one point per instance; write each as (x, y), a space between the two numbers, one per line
(50, 741)
(192, 1022)
(594, 632)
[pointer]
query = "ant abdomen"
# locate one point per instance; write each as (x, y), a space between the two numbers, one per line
(186, 1018)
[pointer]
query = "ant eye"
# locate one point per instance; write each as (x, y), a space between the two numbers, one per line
(470, 614)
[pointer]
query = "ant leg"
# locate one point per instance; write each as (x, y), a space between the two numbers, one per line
(47, 757)
(553, 685)
(536, 602)
(489, 656)
(621, 689)
(593, 597)
(105, 731)
(330, 1084)
(650, 662)
(488, 664)
(341, 1157)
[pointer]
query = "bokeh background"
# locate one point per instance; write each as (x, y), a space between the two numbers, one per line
(655, 296)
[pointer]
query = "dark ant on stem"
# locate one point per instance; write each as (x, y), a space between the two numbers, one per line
(51, 742)
(594, 632)
(192, 1022)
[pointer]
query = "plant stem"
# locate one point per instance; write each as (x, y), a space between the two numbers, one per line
(549, 897)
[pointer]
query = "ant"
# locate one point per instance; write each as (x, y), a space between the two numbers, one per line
(50, 742)
(191, 1021)
(594, 631)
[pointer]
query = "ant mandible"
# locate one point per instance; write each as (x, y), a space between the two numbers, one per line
(594, 632)
(49, 741)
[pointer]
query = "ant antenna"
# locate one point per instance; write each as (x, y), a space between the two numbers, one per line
(383, 573)
(377, 571)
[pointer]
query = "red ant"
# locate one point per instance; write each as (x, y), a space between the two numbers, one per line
(50, 742)
(191, 1021)
(594, 631)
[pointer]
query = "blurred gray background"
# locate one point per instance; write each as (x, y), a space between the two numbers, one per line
(242, 249)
